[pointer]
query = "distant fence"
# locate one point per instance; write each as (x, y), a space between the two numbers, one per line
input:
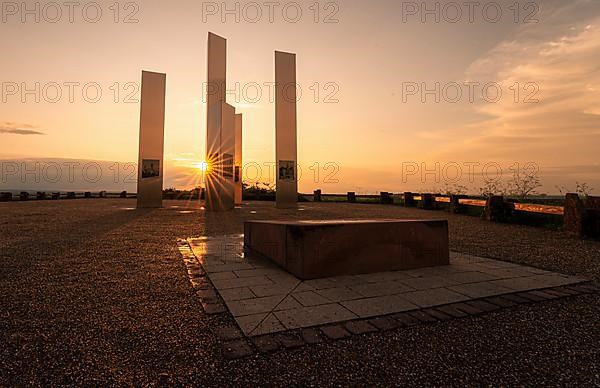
(61, 195)
(579, 216)
(401, 199)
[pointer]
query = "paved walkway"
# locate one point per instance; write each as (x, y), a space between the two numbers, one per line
(264, 298)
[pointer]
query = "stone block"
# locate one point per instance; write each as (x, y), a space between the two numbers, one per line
(497, 210)
(318, 249)
(386, 198)
(311, 336)
(409, 199)
(237, 349)
(266, 343)
(360, 327)
(317, 196)
(455, 205)
(427, 202)
(574, 213)
(5, 197)
(335, 332)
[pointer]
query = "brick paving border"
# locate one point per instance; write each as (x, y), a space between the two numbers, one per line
(235, 345)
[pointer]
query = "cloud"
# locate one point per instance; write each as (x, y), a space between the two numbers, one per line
(18, 129)
(560, 57)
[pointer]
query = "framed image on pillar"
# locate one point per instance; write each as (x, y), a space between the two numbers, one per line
(150, 168)
(286, 170)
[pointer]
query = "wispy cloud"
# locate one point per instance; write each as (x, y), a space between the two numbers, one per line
(561, 56)
(18, 129)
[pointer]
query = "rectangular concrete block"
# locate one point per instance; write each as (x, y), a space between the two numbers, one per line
(317, 249)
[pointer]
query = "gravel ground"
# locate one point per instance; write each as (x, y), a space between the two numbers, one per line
(93, 292)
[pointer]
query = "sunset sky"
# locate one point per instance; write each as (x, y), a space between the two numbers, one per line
(369, 59)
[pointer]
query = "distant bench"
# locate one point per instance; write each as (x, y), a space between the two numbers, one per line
(317, 249)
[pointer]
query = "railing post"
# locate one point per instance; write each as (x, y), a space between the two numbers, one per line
(123, 194)
(24, 196)
(40, 195)
(409, 199)
(55, 195)
(351, 196)
(102, 194)
(6, 197)
(455, 206)
(591, 221)
(427, 202)
(497, 210)
(87, 194)
(71, 195)
(574, 213)
(385, 198)
(317, 196)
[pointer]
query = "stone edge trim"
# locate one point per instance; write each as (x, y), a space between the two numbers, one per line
(236, 345)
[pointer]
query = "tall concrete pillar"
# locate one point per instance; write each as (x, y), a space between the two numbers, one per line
(238, 160)
(227, 176)
(285, 130)
(220, 127)
(151, 147)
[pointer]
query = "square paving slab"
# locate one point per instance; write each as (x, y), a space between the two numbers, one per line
(263, 298)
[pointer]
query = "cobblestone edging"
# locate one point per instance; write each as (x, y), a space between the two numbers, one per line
(236, 345)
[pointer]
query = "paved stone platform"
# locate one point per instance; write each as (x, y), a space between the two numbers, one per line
(265, 299)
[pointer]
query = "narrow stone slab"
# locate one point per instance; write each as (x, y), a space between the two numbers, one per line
(335, 332)
(318, 249)
(381, 289)
(434, 297)
(480, 290)
(310, 298)
(313, 316)
(381, 305)
(339, 294)
(253, 306)
(233, 294)
(360, 327)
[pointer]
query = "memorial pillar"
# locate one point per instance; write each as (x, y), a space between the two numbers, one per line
(219, 142)
(238, 160)
(285, 130)
(151, 146)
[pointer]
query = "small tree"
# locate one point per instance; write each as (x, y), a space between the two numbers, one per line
(583, 189)
(523, 184)
(491, 188)
(455, 189)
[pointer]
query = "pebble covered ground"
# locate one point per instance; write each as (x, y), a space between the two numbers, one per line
(94, 292)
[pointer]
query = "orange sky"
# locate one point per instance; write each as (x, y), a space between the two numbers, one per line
(367, 129)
